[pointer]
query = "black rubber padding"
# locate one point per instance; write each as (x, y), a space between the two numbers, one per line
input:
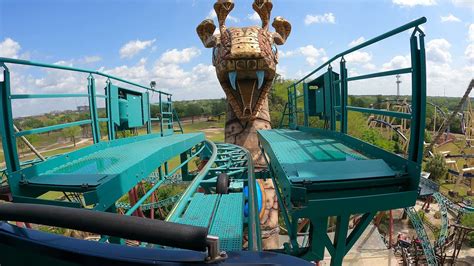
(222, 186)
(110, 224)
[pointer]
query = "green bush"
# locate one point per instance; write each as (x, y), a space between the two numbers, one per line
(437, 167)
(468, 221)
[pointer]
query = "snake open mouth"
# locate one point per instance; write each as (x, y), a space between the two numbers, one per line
(249, 86)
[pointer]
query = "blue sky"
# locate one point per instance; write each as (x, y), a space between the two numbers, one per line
(156, 40)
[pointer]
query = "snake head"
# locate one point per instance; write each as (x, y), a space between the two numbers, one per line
(283, 30)
(205, 31)
(223, 9)
(263, 9)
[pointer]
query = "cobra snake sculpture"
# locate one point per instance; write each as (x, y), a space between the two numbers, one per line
(245, 60)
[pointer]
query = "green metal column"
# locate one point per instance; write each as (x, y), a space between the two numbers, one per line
(418, 79)
(6, 127)
(93, 109)
(344, 92)
(294, 112)
(342, 226)
(148, 123)
(306, 104)
(332, 99)
(291, 121)
(161, 115)
(320, 225)
(110, 123)
(184, 169)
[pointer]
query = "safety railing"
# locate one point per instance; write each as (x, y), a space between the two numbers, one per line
(341, 108)
(10, 133)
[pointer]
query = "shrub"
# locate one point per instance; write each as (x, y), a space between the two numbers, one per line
(436, 166)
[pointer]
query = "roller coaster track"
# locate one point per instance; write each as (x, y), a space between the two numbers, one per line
(390, 126)
(443, 233)
(444, 205)
(448, 120)
(454, 206)
(420, 230)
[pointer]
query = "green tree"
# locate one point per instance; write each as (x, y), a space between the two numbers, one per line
(194, 109)
(72, 132)
(436, 166)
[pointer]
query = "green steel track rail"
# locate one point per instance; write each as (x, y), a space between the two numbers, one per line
(454, 206)
(236, 163)
(443, 233)
(420, 230)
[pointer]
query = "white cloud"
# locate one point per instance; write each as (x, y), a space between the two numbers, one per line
(369, 66)
(397, 62)
(137, 73)
(68, 63)
(212, 15)
(311, 53)
(469, 53)
(412, 3)
(357, 41)
(9, 48)
(92, 59)
(176, 56)
(437, 50)
(464, 3)
(470, 33)
(132, 48)
(325, 18)
(441, 76)
(358, 57)
(283, 54)
(254, 16)
(450, 18)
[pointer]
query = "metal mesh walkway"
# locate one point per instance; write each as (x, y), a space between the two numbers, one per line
(307, 157)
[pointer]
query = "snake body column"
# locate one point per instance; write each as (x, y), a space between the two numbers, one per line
(245, 59)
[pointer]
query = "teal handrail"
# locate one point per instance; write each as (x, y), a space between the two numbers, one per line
(75, 69)
(405, 27)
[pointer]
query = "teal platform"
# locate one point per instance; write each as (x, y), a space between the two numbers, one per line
(104, 171)
(321, 173)
(222, 214)
(306, 157)
(312, 164)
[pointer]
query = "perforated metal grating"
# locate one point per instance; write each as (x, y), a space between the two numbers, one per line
(228, 221)
(114, 160)
(199, 211)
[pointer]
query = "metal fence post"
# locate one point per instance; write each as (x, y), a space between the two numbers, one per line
(93, 109)
(7, 128)
(418, 80)
(344, 92)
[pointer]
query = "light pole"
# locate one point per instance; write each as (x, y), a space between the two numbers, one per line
(398, 85)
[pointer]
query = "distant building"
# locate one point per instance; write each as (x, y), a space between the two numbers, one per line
(83, 108)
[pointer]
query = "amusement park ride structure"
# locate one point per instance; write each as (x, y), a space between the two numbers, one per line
(318, 173)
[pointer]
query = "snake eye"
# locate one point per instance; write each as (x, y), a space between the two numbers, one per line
(274, 49)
